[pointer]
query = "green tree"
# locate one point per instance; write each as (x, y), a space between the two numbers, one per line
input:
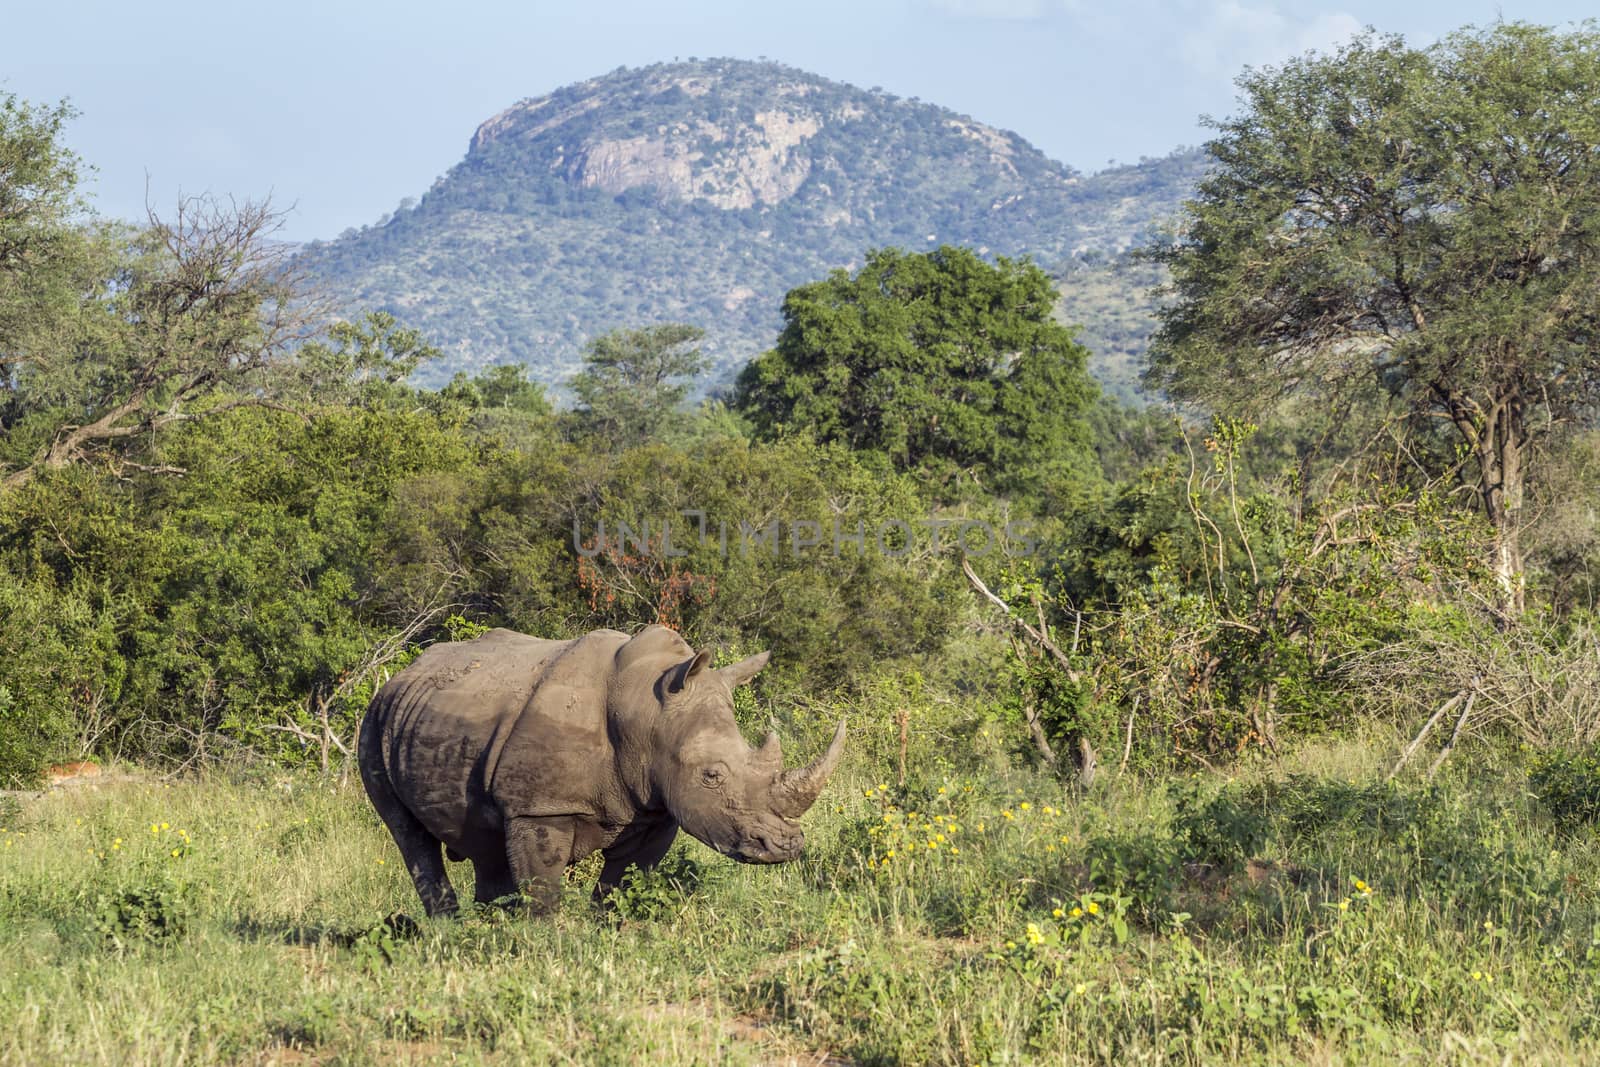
(634, 381)
(365, 361)
(1424, 222)
(939, 361)
(42, 254)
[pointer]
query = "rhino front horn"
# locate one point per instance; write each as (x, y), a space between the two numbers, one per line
(797, 789)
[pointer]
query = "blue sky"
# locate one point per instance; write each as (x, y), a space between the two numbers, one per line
(338, 110)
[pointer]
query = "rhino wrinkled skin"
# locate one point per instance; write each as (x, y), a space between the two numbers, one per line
(526, 755)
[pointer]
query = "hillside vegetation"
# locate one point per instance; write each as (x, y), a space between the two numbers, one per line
(701, 192)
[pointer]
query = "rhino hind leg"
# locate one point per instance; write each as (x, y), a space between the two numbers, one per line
(422, 852)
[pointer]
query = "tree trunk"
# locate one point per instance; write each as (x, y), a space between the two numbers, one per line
(1497, 437)
(1500, 448)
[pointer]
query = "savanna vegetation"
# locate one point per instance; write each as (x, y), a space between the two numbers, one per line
(1261, 730)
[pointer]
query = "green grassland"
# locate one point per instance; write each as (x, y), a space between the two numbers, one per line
(1299, 911)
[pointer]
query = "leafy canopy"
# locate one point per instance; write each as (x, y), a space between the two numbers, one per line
(939, 361)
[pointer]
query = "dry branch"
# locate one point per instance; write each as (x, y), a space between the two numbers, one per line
(1041, 638)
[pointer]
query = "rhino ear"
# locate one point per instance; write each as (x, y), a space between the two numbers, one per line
(685, 671)
(739, 673)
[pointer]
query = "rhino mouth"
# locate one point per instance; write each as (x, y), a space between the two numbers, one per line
(765, 849)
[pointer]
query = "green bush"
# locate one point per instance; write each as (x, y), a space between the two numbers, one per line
(1222, 828)
(1567, 785)
(156, 911)
(1141, 866)
(658, 893)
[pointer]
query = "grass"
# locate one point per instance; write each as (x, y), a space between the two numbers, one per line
(1303, 912)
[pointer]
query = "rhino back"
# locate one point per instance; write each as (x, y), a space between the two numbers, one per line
(442, 721)
(505, 719)
(557, 758)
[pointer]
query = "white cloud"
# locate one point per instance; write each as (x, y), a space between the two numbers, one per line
(1014, 10)
(1223, 36)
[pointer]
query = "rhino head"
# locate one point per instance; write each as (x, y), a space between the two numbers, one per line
(737, 799)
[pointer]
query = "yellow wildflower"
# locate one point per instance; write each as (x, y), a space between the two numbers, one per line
(1035, 936)
(1080, 989)
(1024, 805)
(1077, 913)
(1094, 909)
(1058, 913)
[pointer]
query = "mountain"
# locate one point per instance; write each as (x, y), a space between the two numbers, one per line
(701, 192)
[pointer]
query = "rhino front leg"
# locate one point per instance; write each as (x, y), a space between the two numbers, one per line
(494, 881)
(538, 851)
(643, 851)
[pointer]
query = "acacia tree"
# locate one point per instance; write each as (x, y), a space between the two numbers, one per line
(163, 319)
(1425, 221)
(633, 381)
(39, 248)
(108, 332)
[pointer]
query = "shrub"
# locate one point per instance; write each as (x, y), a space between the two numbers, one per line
(1567, 785)
(154, 912)
(1140, 866)
(658, 893)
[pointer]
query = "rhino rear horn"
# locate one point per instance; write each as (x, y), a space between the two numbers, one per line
(797, 789)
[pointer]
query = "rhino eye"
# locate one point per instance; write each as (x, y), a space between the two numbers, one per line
(713, 776)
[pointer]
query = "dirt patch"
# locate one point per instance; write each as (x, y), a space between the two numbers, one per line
(753, 1031)
(770, 1047)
